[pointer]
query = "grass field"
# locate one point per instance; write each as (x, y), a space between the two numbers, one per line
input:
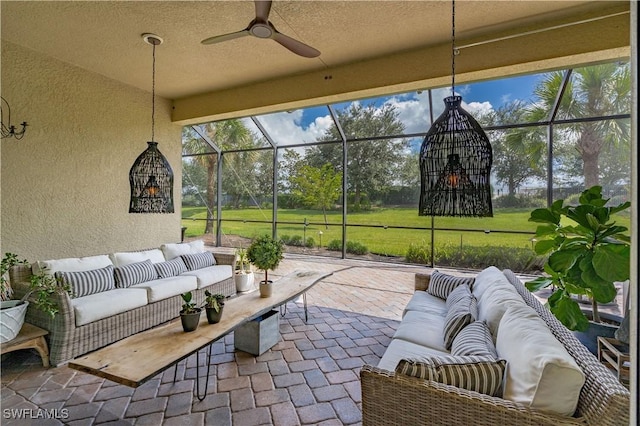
(367, 227)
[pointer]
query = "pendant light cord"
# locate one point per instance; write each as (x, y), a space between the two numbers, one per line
(153, 94)
(453, 47)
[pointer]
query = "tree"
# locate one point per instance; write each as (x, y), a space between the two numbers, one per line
(371, 163)
(224, 134)
(593, 91)
(517, 154)
(318, 187)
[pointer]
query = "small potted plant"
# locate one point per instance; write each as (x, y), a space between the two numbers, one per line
(244, 276)
(266, 253)
(587, 254)
(213, 304)
(190, 314)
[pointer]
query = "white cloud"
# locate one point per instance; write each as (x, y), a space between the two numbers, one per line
(287, 129)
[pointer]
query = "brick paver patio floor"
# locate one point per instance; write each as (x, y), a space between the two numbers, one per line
(310, 377)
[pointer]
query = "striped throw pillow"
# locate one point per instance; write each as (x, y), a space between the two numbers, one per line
(474, 373)
(440, 285)
(462, 310)
(135, 273)
(170, 268)
(198, 260)
(474, 339)
(88, 282)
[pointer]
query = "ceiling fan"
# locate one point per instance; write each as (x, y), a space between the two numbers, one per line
(261, 27)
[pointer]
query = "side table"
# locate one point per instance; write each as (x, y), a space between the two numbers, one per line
(615, 354)
(29, 337)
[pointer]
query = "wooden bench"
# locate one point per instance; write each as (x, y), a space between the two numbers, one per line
(30, 337)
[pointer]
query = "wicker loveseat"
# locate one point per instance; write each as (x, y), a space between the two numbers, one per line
(391, 398)
(73, 331)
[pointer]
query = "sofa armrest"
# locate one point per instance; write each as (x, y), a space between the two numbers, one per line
(225, 259)
(61, 328)
(392, 399)
(422, 281)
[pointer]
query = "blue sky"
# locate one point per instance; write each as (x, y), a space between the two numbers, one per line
(307, 125)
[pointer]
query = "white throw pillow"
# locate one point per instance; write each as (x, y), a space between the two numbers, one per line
(171, 251)
(127, 258)
(540, 372)
(72, 264)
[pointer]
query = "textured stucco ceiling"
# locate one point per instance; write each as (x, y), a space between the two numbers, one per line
(105, 36)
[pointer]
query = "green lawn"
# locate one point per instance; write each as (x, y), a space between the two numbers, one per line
(378, 240)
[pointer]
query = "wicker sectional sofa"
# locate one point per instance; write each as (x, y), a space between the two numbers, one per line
(390, 396)
(104, 316)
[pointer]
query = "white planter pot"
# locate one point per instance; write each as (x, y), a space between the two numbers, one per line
(244, 282)
(11, 319)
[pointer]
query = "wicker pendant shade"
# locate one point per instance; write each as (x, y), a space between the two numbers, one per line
(151, 180)
(455, 164)
(151, 177)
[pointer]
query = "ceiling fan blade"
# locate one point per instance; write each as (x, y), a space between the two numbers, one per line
(225, 37)
(295, 46)
(262, 10)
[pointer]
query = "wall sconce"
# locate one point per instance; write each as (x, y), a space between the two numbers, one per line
(9, 130)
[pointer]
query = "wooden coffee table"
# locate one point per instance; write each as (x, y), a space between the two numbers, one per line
(138, 358)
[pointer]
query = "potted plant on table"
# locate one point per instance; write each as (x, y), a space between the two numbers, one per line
(190, 313)
(585, 258)
(266, 253)
(213, 304)
(43, 289)
(244, 276)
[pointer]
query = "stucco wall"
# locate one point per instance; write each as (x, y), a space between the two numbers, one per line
(65, 185)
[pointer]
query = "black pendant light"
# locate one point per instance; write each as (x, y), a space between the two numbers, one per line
(151, 177)
(455, 160)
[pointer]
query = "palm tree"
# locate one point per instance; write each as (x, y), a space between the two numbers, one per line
(593, 91)
(227, 134)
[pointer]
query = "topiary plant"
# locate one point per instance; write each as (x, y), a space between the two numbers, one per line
(266, 253)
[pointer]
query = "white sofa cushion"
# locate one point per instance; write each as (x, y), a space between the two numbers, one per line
(400, 349)
(490, 277)
(71, 264)
(171, 251)
(127, 258)
(164, 288)
(84, 283)
(540, 372)
(97, 306)
(422, 328)
(210, 275)
(495, 302)
(424, 302)
(134, 273)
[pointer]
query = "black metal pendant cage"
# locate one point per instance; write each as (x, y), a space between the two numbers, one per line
(455, 165)
(151, 180)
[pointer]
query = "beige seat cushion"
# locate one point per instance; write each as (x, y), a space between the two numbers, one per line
(210, 275)
(424, 329)
(97, 306)
(164, 288)
(401, 349)
(422, 301)
(540, 372)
